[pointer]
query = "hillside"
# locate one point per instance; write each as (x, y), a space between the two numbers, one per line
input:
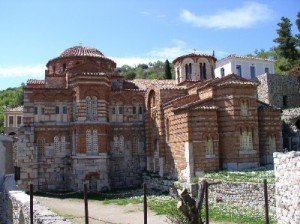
(9, 98)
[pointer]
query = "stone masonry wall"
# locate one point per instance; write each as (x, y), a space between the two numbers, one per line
(16, 207)
(290, 131)
(287, 187)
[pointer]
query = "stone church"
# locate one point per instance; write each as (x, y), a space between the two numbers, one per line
(85, 123)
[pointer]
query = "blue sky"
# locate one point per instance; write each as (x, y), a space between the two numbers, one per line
(132, 31)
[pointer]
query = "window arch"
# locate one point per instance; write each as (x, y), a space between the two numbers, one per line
(186, 71)
(88, 140)
(244, 108)
(222, 70)
(95, 141)
(63, 143)
(246, 138)
(209, 145)
(56, 144)
(41, 144)
(91, 107)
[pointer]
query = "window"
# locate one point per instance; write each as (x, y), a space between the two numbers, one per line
(246, 141)
(91, 108)
(120, 109)
(267, 70)
(11, 121)
(190, 69)
(186, 70)
(88, 140)
(40, 145)
(134, 110)
(92, 144)
(94, 107)
(64, 66)
(19, 120)
(252, 72)
(222, 72)
(54, 68)
(272, 143)
(57, 109)
(140, 110)
(204, 71)
(74, 111)
(284, 101)
(64, 109)
(35, 110)
(56, 144)
(239, 70)
(63, 143)
(113, 110)
(42, 110)
(209, 146)
(95, 141)
(244, 108)
(201, 71)
(119, 143)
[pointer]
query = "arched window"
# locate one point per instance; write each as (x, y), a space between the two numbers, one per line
(56, 144)
(116, 142)
(88, 140)
(201, 71)
(121, 142)
(186, 71)
(209, 145)
(63, 143)
(244, 108)
(190, 69)
(222, 71)
(64, 66)
(204, 71)
(88, 107)
(41, 145)
(246, 139)
(95, 141)
(178, 75)
(94, 108)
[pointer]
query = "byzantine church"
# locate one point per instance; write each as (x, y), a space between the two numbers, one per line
(85, 123)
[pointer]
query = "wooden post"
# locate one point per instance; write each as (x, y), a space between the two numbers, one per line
(86, 207)
(266, 201)
(206, 203)
(145, 202)
(31, 203)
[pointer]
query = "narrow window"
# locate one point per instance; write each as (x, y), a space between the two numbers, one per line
(54, 68)
(222, 72)
(64, 66)
(19, 120)
(64, 109)
(88, 107)
(56, 144)
(140, 110)
(57, 109)
(272, 143)
(121, 142)
(134, 110)
(62, 143)
(201, 72)
(252, 72)
(94, 107)
(113, 110)
(95, 141)
(284, 101)
(239, 70)
(35, 110)
(190, 69)
(209, 146)
(11, 121)
(40, 145)
(120, 109)
(244, 108)
(88, 140)
(204, 71)
(186, 70)
(267, 70)
(42, 110)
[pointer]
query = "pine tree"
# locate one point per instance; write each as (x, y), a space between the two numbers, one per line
(168, 74)
(286, 42)
(298, 26)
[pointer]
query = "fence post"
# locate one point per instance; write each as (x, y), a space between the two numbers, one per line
(206, 203)
(31, 203)
(145, 202)
(266, 201)
(86, 204)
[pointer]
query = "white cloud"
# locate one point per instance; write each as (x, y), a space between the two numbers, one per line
(145, 13)
(35, 71)
(247, 15)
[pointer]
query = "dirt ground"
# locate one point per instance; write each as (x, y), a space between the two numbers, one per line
(73, 210)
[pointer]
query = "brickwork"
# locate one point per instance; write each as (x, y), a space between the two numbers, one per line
(85, 123)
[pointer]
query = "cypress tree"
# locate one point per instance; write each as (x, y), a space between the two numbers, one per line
(286, 42)
(168, 74)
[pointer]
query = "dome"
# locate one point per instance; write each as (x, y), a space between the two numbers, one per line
(81, 51)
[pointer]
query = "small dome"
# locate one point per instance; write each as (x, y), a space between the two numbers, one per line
(81, 51)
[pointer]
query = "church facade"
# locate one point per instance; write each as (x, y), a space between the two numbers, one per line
(85, 123)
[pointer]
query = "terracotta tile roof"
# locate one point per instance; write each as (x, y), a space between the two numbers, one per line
(14, 109)
(156, 83)
(193, 55)
(81, 51)
(245, 57)
(206, 104)
(36, 82)
(182, 100)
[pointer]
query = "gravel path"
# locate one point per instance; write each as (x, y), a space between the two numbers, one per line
(73, 209)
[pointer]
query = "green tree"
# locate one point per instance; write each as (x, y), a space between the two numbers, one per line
(298, 26)
(286, 41)
(168, 73)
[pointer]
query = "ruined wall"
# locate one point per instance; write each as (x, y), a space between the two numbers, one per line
(16, 207)
(273, 87)
(287, 187)
(6, 162)
(291, 129)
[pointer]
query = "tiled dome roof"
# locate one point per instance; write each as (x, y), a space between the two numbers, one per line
(81, 51)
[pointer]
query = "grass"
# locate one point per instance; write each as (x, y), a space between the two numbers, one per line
(254, 175)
